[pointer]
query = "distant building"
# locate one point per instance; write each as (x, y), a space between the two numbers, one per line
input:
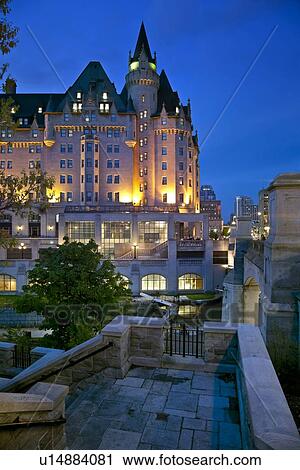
(263, 213)
(244, 207)
(211, 206)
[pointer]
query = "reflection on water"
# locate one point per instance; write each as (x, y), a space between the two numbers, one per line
(210, 311)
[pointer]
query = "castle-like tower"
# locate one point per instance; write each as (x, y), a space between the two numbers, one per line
(125, 166)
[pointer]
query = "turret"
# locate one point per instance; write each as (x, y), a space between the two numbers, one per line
(142, 81)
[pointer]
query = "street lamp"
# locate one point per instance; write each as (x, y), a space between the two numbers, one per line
(135, 247)
(22, 247)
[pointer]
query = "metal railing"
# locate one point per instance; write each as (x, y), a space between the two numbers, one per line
(183, 340)
(22, 357)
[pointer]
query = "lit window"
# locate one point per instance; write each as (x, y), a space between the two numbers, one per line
(145, 171)
(190, 281)
(70, 132)
(145, 140)
(141, 142)
(181, 121)
(145, 126)
(78, 95)
(31, 164)
(145, 113)
(109, 132)
(7, 283)
(141, 127)
(154, 282)
(141, 187)
(104, 95)
(145, 155)
(2, 164)
(75, 107)
(66, 117)
(145, 185)
(143, 98)
(9, 133)
(181, 180)
(164, 121)
(40, 109)
(141, 114)
(63, 132)
(106, 107)
(177, 110)
(9, 149)
(141, 155)
(34, 133)
(69, 196)
(2, 148)
(164, 180)
(141, 172)
(31, 148)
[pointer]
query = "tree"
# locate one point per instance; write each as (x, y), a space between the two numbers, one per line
(19, 194)
(74, 288)
(8, 41)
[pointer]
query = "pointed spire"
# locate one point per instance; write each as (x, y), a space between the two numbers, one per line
(142, 44)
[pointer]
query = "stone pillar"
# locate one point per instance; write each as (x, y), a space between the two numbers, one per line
(220, 342)
(6, 355)
(117, 332)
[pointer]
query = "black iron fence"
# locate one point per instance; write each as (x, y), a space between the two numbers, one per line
(21, 357)
(183, 340)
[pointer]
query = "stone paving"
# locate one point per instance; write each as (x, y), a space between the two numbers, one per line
(155, 409)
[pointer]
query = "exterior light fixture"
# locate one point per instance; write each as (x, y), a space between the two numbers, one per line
(19, 228)
(135, 247)
(50, 227)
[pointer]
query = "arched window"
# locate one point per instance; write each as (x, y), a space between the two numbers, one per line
(154, 282)
(7, 283)
(190, 281)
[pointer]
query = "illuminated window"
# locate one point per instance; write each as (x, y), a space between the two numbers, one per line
(63, 164)
(145, 126)
(154, 231)
(40, 109)
(104, 95)
(31, 164)
(177, 110)
(31, 148)
(141, 142)
(154, 282)
(145, 113)
(34, 133)
(141, 127)
(78, 95)
(7, 283)
(145, 171)
(141, 114)
(69, 196)
(141, 172)
(143, 98)
(141, 155)
(66, 117)
(80, 231)
(145, 155)
(75, 107)
(116, 237)
(63, 132)
(141, 187)
(145, 140)
(164, 121)
(190, 281)
(181, 180)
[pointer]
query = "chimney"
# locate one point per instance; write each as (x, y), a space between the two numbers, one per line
(10, 86)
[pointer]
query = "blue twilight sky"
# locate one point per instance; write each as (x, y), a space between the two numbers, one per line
(205, 46)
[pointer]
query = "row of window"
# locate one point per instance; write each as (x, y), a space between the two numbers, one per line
(89, 147)
(164, 136)
(6, 164)
(150, 282)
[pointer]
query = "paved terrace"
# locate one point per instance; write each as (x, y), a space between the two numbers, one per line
(155, 409)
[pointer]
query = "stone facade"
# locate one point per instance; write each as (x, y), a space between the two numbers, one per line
(126, 174)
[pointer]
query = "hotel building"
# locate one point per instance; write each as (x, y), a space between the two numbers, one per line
(126, 175)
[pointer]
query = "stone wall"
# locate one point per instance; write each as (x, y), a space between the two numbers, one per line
(220, 343)
(6, 355)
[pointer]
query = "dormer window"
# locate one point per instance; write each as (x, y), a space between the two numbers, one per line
(177, 110)
(104, 95)
(104, 107)
(79, 107)
(40, 110)
(78, 95)
(75, 109)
